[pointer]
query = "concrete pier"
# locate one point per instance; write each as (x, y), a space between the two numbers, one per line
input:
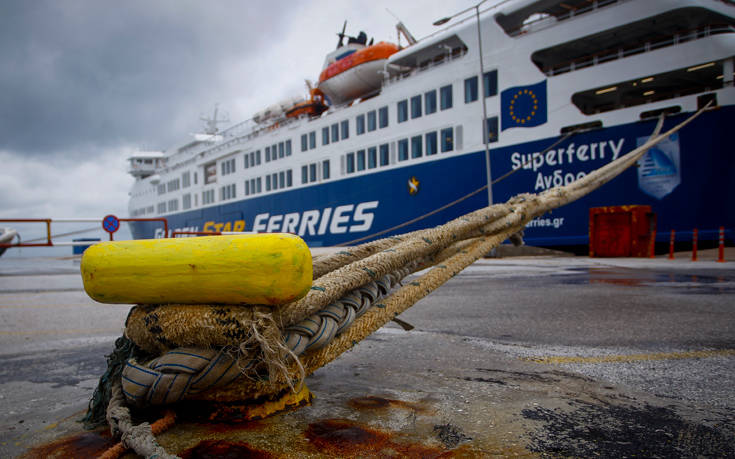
(519, 356)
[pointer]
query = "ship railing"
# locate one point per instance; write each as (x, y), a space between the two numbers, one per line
(228, 144)
(445, 58)
(544, 22)
(644, 47)
(48, 239)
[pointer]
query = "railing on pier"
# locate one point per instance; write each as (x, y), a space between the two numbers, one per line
(49, 242)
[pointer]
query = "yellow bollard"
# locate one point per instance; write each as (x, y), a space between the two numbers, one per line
(244, 269)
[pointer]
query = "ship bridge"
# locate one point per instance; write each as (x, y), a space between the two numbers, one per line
(144, 163)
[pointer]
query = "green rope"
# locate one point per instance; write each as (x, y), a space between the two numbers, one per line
(97, 408)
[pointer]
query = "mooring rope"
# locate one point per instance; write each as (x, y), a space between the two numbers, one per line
(350, 298)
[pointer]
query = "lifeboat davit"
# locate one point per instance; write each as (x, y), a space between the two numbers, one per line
(354, 70)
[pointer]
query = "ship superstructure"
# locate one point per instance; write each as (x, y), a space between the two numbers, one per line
(567, 87)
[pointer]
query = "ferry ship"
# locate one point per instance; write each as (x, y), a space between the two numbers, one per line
(523, 95)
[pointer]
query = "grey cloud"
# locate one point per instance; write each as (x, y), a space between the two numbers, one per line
(83, 74)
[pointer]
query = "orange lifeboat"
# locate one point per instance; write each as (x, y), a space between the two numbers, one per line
(315, 106)
(354, 70)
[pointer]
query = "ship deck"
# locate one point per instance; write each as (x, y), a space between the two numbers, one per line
(514, 356)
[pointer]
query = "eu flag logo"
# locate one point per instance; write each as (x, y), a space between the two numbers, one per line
(523, 106)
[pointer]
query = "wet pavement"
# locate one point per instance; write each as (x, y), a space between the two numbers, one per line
(529, 357)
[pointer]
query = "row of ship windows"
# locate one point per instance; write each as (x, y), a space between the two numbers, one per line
(275, 181)
(429, 143)
(379, 156)
(420, 105)
(176, 184)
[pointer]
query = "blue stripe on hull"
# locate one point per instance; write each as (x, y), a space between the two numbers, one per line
(695, 189)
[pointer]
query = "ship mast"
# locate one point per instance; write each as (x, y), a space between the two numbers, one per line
(211, 123)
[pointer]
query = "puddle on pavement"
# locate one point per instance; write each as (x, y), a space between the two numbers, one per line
(682, 283)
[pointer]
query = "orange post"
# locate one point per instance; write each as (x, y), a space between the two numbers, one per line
(652, 243)
(671, 244)
(694, 244)
(721, 255)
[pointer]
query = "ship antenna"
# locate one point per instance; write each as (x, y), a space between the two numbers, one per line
(211, 123)
(342, 35)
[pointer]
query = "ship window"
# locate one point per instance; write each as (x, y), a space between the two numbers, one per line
(227, 192)
(161, 207)
(384, 155)
(372, 158)
(274, 181)
(246, 161)
(247, 187)
(210, 173)
(325, 136)
(431, 148)
(360, 124)
(304, 146)
(268, 149)
(402, 149)
(173, 205)
(371, 121)
(325, 169)
(312, 172)
(304, 174)
(345, 128)
(267, 182)
(195, 178)
(228, 167)
(281, 180)
(491, 124)
(288, 147)
(430, 102)
(312, 139)
(207, 197)
(490, 79)
(361, 160)
(260, 185)
(415, 107)
(383, 117)
(257, 158)
(470, 90)
(685, 81)
(274, 152)
(186, 201)
(447, 140)
(416, 147)
(186, 179)
(402, 111)
(350, 163)
(281, 149)
(289, 178)
(445, 95)
(161, 189)
(335, 132)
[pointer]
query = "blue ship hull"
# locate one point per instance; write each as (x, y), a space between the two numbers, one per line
(688, 180)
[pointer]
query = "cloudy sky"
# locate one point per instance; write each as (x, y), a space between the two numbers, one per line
(85, 83)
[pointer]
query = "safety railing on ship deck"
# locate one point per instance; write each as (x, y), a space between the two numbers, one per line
(608, 55)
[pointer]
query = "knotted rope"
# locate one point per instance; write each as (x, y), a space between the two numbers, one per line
(316, 329)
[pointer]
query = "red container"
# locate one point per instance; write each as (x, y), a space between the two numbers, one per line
(622, 231)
